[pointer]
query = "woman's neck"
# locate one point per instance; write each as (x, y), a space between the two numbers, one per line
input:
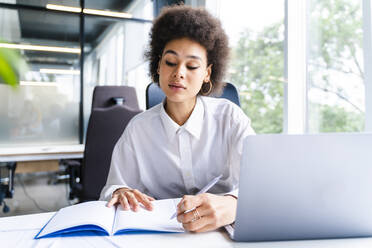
(180, 111)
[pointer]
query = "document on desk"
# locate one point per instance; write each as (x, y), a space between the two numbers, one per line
(94, 218)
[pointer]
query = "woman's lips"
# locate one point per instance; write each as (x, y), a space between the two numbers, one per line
(176, 86)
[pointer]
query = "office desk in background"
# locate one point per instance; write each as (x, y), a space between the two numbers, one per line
(32, 159)
(40, 158)
(19, 231)
(40, 153)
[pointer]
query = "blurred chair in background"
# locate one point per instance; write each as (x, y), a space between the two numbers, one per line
(107, 96)
(112, 109)
(6, 183)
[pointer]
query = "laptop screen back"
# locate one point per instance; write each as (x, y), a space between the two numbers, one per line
(305, 187)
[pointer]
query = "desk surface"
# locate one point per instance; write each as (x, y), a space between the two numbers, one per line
(34, 153)
(18, 231)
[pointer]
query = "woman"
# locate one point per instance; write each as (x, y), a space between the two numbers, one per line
(176, 148)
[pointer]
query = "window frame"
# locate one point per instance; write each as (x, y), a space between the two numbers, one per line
(367, 51)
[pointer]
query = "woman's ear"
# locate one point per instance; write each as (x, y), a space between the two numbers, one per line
(208, 73)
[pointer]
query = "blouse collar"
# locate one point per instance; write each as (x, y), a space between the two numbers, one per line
(193, 125)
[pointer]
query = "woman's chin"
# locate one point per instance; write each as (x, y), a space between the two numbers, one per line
(179, 98)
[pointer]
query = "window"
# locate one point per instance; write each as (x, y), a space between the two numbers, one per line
(302, 70)
(256, 36)
(336, 97)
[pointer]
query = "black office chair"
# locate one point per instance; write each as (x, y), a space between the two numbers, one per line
(105, 126)
(7, 170)
(106, 96)
(154, 95)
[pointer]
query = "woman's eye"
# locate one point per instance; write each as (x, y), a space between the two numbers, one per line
(169, 63)
(192, 67)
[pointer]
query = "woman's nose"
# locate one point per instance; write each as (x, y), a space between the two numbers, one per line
(179, 72)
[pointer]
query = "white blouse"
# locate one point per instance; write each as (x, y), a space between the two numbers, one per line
(164, 160)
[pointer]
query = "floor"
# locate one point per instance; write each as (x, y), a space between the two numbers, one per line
(36, 193)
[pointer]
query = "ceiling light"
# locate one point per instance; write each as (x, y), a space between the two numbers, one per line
(63, 8)
(31, 83)
(60, 71)
(41, 48)
(89, 11)
(107, 13)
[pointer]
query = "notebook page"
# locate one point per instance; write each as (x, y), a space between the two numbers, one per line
(156, 220)
(87, 213)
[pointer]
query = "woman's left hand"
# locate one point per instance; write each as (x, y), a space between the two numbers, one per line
(210, 212)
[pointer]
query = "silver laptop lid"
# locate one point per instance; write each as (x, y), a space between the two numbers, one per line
(305, 187)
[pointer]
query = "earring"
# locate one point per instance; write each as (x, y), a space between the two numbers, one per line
(209, 88)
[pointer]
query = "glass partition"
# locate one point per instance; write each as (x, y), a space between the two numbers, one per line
(44, 110)
(117, 55)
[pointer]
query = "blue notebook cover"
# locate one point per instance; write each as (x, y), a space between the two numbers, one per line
(63, 223)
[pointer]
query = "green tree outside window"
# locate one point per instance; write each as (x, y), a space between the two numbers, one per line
(258, 67)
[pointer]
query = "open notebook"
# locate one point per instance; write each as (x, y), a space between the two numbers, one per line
(94, 218)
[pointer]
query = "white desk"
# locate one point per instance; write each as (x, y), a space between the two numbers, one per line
(38, 153)
(19, 231)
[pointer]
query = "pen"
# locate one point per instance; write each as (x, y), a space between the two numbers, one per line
(203, 190)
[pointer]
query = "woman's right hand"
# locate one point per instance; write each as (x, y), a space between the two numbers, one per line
(130, 199)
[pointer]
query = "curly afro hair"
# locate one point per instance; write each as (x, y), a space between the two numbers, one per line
(180, 21)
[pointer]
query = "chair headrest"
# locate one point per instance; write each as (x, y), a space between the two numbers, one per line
(107, 96)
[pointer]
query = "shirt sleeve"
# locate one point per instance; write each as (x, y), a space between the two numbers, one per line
(241, 128)
(124, 170)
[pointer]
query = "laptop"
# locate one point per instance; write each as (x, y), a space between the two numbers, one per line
(304, 187)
